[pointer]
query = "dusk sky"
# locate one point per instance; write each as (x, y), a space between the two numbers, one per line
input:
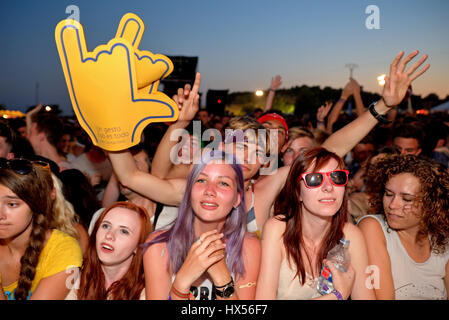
(241, 44)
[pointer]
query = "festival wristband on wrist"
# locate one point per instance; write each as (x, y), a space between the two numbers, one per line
(337, 294)
(342, 100)
(177, 293)
(381, 118)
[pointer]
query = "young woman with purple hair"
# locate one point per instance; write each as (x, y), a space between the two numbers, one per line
(206, 253)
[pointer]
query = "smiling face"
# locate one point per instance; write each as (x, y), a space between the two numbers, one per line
(214, 193)
(399, 201)
(15, 214)
(325, 200)
(118, 236)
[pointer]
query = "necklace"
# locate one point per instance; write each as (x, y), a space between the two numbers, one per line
(251, 183)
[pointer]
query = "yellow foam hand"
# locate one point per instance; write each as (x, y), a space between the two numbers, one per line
(113, 89)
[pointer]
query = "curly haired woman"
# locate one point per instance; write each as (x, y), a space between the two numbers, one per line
(407, 239)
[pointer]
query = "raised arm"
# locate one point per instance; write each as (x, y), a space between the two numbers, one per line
(338, 106)
(321, 114)
(356, 93)
(187, 100)
(168, 192)
(396, 85)
(275, 84)
(111, 192)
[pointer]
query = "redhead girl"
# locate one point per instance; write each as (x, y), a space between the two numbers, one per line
(112, 267)
(310, 219)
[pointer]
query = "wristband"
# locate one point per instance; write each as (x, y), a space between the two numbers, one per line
(184, 296)
(342, 100)
(381, 118)
(337, 294)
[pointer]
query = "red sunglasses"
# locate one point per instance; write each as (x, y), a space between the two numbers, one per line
(312, 180)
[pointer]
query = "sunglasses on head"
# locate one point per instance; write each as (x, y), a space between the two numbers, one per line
(338, 178)
(21, 166)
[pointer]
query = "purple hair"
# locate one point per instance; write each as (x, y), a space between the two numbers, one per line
(180, 236)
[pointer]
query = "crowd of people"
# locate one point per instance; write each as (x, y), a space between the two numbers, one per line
(249, 212)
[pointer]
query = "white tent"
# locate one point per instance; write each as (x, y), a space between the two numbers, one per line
(442, 107)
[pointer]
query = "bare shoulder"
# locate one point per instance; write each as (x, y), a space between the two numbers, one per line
(274, 228)
(273, 181)
(155, 250)
(251, 242)
(370, 229)
(353, 233)
(370, 226)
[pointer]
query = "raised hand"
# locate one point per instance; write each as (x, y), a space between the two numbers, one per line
(275, 83)
(323, 111)
(355, 86)
(29, 118)
(397, 83)
(188, 100)
(113, 89)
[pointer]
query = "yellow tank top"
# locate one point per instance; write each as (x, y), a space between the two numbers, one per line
(61, 253)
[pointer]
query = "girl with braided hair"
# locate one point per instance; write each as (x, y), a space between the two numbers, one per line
(37, 262)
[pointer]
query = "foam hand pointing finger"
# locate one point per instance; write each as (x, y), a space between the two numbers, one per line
(113, 89)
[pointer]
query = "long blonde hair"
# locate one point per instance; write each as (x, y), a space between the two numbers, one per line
(64, 216)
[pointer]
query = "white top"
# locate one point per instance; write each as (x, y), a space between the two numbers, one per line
(289, 287)
(413, 280)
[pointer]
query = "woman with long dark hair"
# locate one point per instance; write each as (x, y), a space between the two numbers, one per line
(36, 260)
(112, 267)
(310, 218)
(207, 253)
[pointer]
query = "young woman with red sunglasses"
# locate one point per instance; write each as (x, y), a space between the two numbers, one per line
(310, 217)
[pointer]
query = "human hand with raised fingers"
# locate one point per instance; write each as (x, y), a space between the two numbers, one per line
(188, 100)
(113, 88)
(322, 111)
(399, 79)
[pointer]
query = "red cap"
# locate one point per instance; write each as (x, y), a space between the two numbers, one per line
(274, 116)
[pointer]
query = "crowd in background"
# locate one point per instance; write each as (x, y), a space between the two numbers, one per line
(136, 226)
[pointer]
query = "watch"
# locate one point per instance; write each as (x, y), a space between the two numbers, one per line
(225, 291)
(381, 118)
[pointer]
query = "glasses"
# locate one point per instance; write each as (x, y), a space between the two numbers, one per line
(312, 180)
(22, 166)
